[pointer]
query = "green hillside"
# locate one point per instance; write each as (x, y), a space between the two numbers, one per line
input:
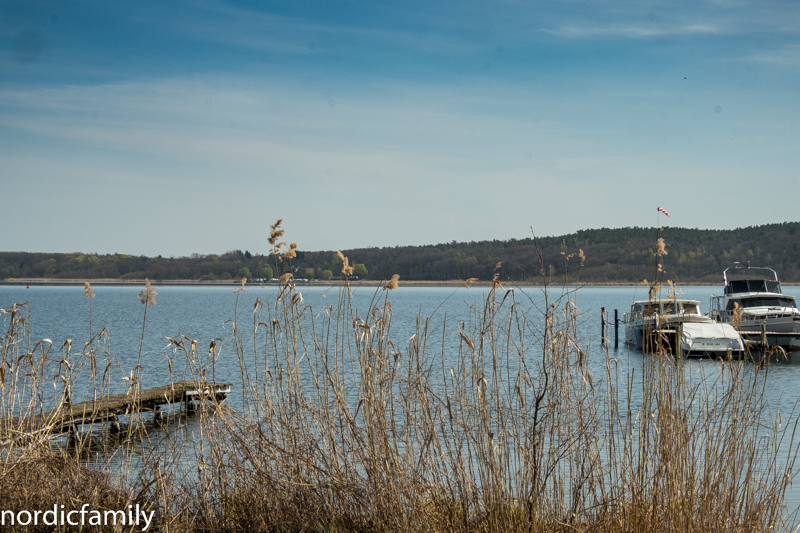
(623, 255)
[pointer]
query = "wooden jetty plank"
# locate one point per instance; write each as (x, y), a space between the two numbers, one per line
(111, 407)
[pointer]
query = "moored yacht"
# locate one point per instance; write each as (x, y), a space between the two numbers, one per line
(754, 303)
(677, 324)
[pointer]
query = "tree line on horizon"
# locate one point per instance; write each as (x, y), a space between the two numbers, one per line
(622, 255)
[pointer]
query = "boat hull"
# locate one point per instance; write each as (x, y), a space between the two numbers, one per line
(786, 330)
(691, 339)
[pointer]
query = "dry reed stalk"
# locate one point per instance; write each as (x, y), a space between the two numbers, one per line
(496, 441)
(736, 317)
(500, 422)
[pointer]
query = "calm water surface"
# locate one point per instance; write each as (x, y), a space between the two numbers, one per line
(204, 314)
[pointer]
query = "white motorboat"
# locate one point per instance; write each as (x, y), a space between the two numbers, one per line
(754, 303)
(676, 325)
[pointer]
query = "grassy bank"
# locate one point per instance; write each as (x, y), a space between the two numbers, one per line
(497, 423)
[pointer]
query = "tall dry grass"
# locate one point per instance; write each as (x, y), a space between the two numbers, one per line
(504, 421)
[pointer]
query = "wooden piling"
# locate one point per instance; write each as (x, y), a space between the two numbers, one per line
(603, 327)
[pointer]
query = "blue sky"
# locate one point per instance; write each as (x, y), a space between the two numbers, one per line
(188, 127)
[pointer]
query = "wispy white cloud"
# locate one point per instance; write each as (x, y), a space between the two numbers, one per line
(788, 56)
(261, 30)
(643, 31)
(186, 139)
(728, 3)
(658, 19)
(457, 155)
(208, 120)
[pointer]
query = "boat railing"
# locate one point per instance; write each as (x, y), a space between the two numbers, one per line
(748, 273)
(722, 316)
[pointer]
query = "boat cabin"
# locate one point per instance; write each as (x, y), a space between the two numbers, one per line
(664, 307)
(740, 280)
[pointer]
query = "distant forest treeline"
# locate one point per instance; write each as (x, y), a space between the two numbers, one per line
(612, 255)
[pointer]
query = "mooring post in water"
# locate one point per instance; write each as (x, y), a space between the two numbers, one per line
(603, 340)
(616, 329)
(764, 344)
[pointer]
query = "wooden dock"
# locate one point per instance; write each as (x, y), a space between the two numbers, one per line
(68, 416)
(760, 338)
(768, 333)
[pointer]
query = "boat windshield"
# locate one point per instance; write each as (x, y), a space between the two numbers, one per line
(752, 285)
(672, 308)
(769, 301)
(691, 309)
(664, 307)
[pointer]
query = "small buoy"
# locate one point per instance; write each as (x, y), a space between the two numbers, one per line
(29, 286)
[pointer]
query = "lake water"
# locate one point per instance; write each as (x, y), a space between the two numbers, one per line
(205, 313)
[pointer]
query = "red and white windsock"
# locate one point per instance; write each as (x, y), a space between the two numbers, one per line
(663, 211)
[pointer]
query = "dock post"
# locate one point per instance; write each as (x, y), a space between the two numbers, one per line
(764, 344)
(603, 340)
(616, 329)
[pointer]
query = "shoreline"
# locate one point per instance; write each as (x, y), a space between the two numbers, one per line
(51, 282)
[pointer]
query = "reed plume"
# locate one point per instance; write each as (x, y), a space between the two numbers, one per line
(275, 232)
(392, 283)
(672, 293)
(347, 270)
(736, 317)
(496, 281)
(148, 295)
(661, 248)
